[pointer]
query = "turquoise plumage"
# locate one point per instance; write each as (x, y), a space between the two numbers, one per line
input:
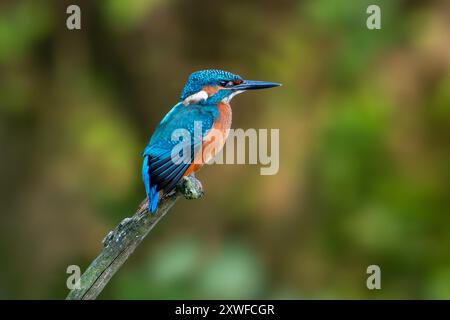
(198, 105)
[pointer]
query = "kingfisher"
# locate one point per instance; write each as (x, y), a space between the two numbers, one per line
(202, 118)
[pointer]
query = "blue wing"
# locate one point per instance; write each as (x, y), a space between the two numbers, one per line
(159, 170)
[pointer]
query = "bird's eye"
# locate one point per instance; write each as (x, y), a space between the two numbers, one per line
(226, 84)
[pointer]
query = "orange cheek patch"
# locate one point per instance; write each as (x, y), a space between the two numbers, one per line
(211, 90)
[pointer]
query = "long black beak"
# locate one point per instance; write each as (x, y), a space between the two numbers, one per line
(254, 85)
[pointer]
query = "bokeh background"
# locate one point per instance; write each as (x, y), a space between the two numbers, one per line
(364, 119)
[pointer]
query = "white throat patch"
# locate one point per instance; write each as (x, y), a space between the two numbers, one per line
(231, 96)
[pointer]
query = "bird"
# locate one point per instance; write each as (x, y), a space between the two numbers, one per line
(203, 112)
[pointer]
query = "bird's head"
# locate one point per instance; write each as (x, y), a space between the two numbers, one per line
(213, 86)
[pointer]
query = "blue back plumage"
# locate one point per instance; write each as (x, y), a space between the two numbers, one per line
(159, 171)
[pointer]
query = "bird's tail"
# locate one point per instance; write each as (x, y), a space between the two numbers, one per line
(153, 198)
(152, 193)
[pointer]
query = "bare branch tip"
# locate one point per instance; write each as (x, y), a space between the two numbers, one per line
(190, 188)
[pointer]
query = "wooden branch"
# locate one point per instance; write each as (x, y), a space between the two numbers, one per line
(120, 243)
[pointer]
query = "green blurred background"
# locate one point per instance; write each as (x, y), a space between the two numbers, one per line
(364, 119)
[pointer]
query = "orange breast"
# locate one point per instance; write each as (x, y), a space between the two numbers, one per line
(214, 141)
